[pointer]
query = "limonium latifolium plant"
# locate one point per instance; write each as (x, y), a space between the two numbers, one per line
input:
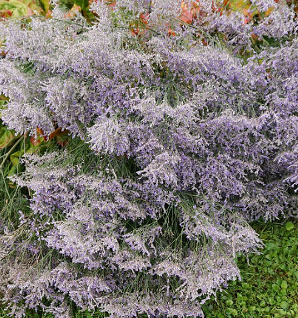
(183, 128)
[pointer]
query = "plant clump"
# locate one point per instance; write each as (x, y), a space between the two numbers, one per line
(182, 128)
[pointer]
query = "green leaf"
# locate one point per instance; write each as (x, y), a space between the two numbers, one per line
(245, 286)
(15, 158)
(45, 5)
(67, 3)
(271, 301)
(252, 308)
(284, 305)
(284, 284)
(275, 287)
(6, 136)
(13, 170)
(82, 3)
(2, 103)
(232, 312)
(289, 226)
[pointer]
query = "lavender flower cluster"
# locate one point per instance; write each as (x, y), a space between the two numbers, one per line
(189, 143)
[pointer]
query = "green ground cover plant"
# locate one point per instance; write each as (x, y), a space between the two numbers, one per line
(269, 286)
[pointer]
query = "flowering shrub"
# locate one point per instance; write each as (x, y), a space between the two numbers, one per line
(180, 138)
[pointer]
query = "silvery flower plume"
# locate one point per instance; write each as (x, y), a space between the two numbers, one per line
(108, 136)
